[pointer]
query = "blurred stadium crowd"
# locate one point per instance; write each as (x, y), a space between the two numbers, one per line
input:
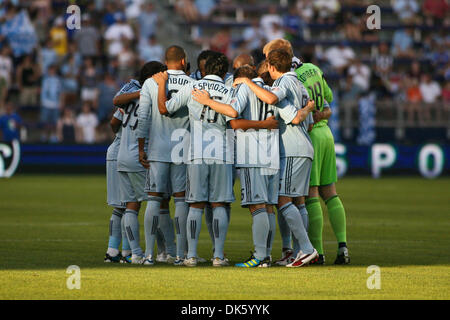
(57, 85)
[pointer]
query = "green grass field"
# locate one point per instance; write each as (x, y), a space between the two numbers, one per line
(50, 222)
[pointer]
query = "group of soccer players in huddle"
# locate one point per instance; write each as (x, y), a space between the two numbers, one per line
(278, 108)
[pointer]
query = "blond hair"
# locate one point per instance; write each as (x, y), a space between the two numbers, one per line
(278, 44)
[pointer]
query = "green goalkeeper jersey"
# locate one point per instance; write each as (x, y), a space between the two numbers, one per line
(312, 78)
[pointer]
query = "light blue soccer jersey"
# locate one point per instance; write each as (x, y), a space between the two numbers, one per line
(113, 149)
(208, 138)
(254, 148)
(295, 140)
(229, 79)
(160, 128)
(128, 156)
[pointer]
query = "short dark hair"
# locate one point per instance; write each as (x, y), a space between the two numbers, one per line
(245, 72)
(204, 55)
(217, 64)
(280, 59)
(149, 69)
(175, 54)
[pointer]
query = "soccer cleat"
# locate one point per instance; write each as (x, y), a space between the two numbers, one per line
(190, 262)
(251, 262)
(170, 259)
(266, 263)
(178, 261)
(137, 259)
(217, 262)
(342, 256)
(148, 261)
(201, 260)
(319, 261)
(161, 257)
(303, 259)
(126, 259)
(109, 258)
(286, 258)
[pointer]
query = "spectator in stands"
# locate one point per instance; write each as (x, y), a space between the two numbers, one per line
(126, 60)
(221, 42)
(446, 99)
(205, 8)
(352, 27)
(293, 25)
(51, 95)
(413, 99)
(27, 78)
(383, 61)
(89, 82)
(151, 51)
(148, 18)
(88, 38)
(272, 24)
(431, 91)
(359, 74)
(439, 59)
(415, 70)
(10, 124)
(58, 35)
(48, 56)
(435, 11)
(406, 10)
(402, 43)
(305, 8)
(340, 56)
(187, 10)
(107, 89)
(87, 122)
(6, 69)
(66, 127)
(253, 36)
(326, 10)
(70, 71)
(118, 34)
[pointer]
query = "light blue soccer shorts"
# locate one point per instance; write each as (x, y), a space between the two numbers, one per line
(132, 186)
(165, 177)
(259, 186)
(112, 185)
(294, 176)
(209, 183)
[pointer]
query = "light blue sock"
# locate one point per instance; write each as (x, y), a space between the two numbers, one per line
(285, 232)
(220, 227)
(193, 227)
(209, 223)
(272, 231)
(304, 214)
(260, 230)
(115, 232)
(166, 226)
(132, 228)
(151, 222)
(295, 222)
(181, 213)
(126, 249)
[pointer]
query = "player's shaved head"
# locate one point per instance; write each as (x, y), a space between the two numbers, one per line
(242, 60)
(245, 71)
(175, 54)
(280, 59)
(278, 44)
